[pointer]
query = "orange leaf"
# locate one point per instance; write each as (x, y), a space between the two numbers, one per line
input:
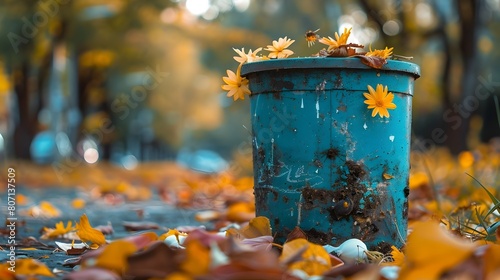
(398, 257)
(87, 233)
(314, 259)
(114, 256)
(258, 226)
(241, 212)
(78, 203)
(179, 237)
(431, 251)
(197, 259)
(59, 230)
(32, 267)
(491, 259)
(21, 199)
(6, 272)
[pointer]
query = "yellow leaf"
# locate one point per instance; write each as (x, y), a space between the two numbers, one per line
(314, 260)
(44, 209)
(431, 250)
(114, 256)
(78, 203)
(87, 233)
(197, 259)
(59, 230)
(49, 209)
(418, 180)
(258, 226)
(32, 267)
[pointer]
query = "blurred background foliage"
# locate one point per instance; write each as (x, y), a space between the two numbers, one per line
(133, 80)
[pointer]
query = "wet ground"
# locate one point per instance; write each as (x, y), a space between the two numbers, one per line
(98, 212)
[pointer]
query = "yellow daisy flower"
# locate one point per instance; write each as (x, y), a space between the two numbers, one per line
(379, 100)
(385, 53)
(338, 41)
(236, 85)
(279, 48)
(250, 57)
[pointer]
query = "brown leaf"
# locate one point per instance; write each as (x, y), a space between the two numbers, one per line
(206, 238)
(471, 268)
(76, 251)
(497, 233)
(372, 61)
(344, 50)
(142, 240)
(92, 274)
(240, 271)
(296, 234)
(72, 262)
(345, 270)
(138, 226)
(259, 243)
(491, 258)
(31, 242)
(158, 260)
(106, 229)
(256, 260)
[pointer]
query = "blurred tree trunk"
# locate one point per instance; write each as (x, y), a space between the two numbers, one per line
(27, 126)
(466, 103)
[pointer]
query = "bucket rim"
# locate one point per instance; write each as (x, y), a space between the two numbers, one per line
(327, 62)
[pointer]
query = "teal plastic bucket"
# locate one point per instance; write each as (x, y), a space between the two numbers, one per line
(321, 161)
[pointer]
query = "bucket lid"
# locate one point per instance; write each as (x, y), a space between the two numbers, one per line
(326, 62)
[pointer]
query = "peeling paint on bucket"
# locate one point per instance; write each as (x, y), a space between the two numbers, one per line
(321, 162)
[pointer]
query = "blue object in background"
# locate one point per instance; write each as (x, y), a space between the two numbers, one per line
(321, 161)
(205, 161)
(43, 148)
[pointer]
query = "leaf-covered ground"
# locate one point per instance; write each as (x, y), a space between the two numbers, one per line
(161, 221)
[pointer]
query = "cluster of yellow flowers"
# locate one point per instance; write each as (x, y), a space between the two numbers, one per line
(236, 85)
(379, 99)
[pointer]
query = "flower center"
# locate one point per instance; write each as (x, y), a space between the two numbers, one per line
(379, 103)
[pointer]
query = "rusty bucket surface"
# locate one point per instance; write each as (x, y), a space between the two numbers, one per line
(321, 161)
